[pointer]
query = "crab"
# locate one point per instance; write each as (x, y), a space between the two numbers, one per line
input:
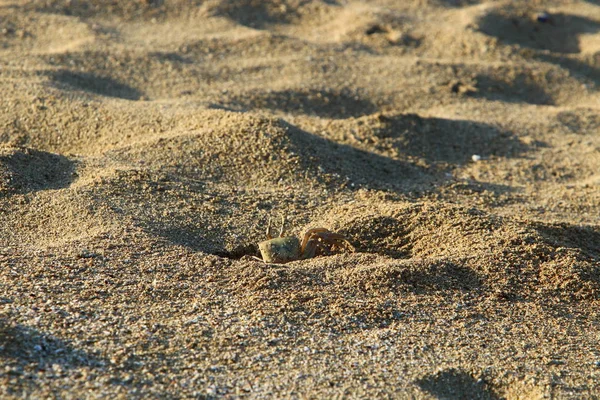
(316, 241)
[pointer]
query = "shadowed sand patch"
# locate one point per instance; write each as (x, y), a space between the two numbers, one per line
(144, 10)
(457, 3)
(122, 73)
(323, 103)
(23, 345)
(434, 140)
(585, 121)
(261, 14)
(519, 26)
(454, 383)
(516, 88)
(582, 238)
(372, 26)
(101, 85)
(25, 170)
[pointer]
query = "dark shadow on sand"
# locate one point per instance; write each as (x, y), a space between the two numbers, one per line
(88, 9)
(458, 3)
(584, 238)
(493, 194)
(520, 89)
(553, 41)
(380, 235)
(441, 140)
(101, 85)
(558, 35)
(322, 103)
(327, 161)
(421, 277)
(179, 231)
(23, 345)
(178, 225)
(455, 384)
(260, 14)
(583, 121)
(171, 57)
(25, 170)
(578, 69)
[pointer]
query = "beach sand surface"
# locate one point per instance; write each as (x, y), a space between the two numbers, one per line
(145, 145)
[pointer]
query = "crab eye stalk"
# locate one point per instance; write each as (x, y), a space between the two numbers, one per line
(269, 236)
(282, 225)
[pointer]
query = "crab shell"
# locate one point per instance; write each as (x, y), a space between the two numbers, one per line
(280, 250)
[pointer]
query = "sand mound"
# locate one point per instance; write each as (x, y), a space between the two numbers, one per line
(247, 150)
(439, 249)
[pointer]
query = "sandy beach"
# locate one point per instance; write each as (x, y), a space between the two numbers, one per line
(145, 146)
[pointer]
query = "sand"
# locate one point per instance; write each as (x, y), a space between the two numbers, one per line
(144, 146)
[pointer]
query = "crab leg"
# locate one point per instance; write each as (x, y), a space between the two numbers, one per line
(308, 235)
(310, 249)
(336, 239)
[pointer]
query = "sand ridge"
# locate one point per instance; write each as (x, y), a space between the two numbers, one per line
(144, 146)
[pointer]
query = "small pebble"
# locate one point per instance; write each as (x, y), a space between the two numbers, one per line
(543, 17)
(475, 157)
(211, 391)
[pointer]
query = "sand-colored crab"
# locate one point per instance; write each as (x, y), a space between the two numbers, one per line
(316, 241)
